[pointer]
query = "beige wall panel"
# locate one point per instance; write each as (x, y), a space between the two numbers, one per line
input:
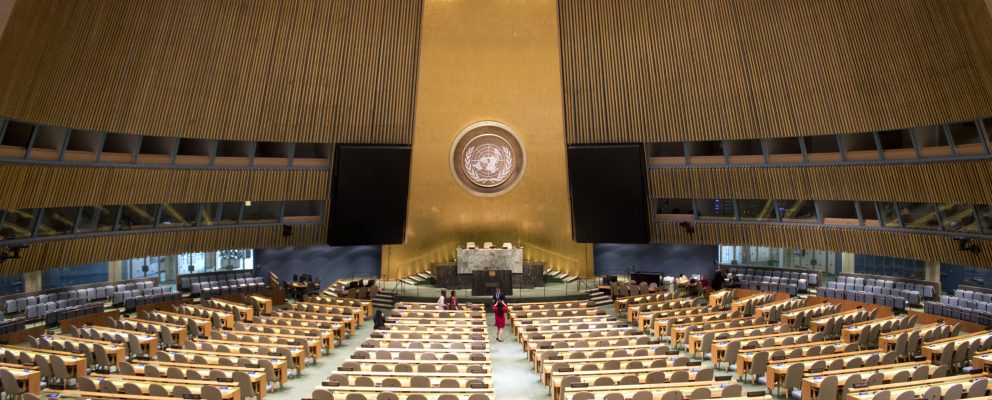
(912, 245)
(37, 186)
(675, 70)
(945, 182)
(277, 70)
(61, 253)
(488, 60)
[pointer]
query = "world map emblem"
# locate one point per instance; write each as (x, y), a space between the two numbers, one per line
(487, 158)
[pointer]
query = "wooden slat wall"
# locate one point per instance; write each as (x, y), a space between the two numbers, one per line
(61, 253)
(676, 70)
(947, 182)
(920, 246)
(37, 186)
(274, 70)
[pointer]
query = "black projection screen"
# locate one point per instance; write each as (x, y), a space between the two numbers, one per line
(369, 191)
(608, 193)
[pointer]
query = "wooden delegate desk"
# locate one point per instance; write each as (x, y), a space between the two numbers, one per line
(463, 366)
(715, 387)
(115, 352)
(811, 382)
(657, 396)
(74, 362)
(576, 334)
(432, 393)
(696, 338)
(418, 354)
(410, 305)
(357, 313)
(264, 302)
(149, 343)
(717, 298)
(326, 336)
(178, 332)
(679, 331)
(820, 323)
(763, 310)
(589, 377)
(255, 348)
(738, 305)
(417, 344)
(776, 369)
(437, 314)
(315, 344)
(428, 330)
(247, 312)
(340, 330)
(851, 332)
(563, 329)
(532, 315)
(932, 350)
(617, 341)
(720, 345)
(982, 361)
(79, 394)
(546, 371)
(364, 306)
(257, 375)
(887, 341)
(744, 357)
(634, 310)
(436, 322)
(547, 321)
(204, 325)
(212, 358)
(405, 377)
(228, 390)
(789, 317)
(661, 324)
(917, 387)
(313, 316)
(30, 375)
(466, 337)
(226, 317)
(542, 355)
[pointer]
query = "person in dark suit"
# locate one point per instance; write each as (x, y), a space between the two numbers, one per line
(718, 279)
(498, 296)
(379, 320)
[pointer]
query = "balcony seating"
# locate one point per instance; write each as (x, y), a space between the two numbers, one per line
(775, 281)
(964, 305)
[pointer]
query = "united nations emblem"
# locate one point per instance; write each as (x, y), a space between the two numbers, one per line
(487, 159)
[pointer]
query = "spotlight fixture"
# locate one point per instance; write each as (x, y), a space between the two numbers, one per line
(687, 227)
(965, 244)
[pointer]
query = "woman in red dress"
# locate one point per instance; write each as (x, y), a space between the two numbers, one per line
(500, 308)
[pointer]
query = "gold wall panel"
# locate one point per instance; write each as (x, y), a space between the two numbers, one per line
(276, 70)
(676, 70)
(920, 246)
(492, 60)
(61, 253)
(36, 186)
(6, 6)
(943, 182)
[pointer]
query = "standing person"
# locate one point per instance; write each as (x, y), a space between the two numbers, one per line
(453, 302)
(379, 320)
(498, 296)
(500, 308)
(442, 301)
(718, 279)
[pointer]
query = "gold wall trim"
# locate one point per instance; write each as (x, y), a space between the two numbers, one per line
(488, 60)
(944, 182)
(38, 186)
(912, 245)
(276, 70)
(62, 253)
(675, 70)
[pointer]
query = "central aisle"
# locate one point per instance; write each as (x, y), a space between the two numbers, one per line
(513, 375)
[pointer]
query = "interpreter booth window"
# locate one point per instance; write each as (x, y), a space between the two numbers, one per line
(145, 267)
(229, 260)
(18, 223)
(958, 218)
(57, 221)
(803, 211)
(178, 215)
(985, 217)
(778, 257)
(756, 210)
(11, 284)
(715, 209)
(97, 219)
(261, 212)
(889, 266)
(137, 216)
(192, 263)
(919, 216)
(678, 209)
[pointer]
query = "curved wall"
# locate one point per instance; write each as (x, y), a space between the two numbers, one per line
(672, 70)
(278, 70)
